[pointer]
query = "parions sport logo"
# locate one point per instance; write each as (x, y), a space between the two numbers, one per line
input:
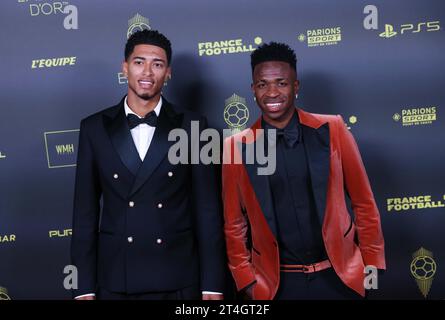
(321, 37)
(416, 116)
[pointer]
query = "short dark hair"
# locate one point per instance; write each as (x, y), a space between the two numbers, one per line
(273, 51)
(152, 37)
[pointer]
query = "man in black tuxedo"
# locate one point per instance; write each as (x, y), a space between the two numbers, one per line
(144, 228)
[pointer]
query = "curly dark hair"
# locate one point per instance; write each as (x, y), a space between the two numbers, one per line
(273, 51)
(152, 37)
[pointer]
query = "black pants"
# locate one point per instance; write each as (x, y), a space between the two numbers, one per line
(321, 285)
(188, 293)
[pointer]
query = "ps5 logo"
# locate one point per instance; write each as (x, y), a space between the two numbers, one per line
(370, 22)
(421, 26)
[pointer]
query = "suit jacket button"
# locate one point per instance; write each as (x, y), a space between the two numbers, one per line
(158, 241)
(159, 205)
(131, 204)
(130, 239)
(115, 176)
(170, 174)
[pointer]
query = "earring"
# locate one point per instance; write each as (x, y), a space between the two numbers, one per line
(254, 98)
(165, 82)
(296, 96)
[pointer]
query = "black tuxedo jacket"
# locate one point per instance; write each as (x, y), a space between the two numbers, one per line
(143, 226)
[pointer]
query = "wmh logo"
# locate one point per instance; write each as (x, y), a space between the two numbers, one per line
(62, 149)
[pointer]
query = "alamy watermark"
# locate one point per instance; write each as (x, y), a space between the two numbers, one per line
(204, 147)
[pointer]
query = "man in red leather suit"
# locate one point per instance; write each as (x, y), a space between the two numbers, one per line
(289, 234)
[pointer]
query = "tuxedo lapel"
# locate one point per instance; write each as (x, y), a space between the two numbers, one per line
(260, 183)
(116, 124)
(316, 143)
(159, 145)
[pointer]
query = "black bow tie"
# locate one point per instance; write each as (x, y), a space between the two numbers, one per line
(133, 120)
(291, 135)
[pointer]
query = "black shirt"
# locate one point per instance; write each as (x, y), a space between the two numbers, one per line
(298, 226)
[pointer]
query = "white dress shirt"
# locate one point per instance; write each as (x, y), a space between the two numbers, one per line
(143, 133)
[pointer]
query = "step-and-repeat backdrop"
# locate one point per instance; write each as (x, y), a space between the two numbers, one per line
(380, 64)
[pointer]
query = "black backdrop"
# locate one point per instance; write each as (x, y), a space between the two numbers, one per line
(376, 66)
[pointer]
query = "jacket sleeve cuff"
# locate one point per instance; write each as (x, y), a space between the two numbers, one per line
(85, 295)
(374, 260)
(244, 276)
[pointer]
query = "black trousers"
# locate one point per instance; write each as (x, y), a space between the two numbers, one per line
(321, 285)
(188, 293)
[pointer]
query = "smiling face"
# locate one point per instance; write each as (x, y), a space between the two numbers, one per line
(146, 70)
(274, 86)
